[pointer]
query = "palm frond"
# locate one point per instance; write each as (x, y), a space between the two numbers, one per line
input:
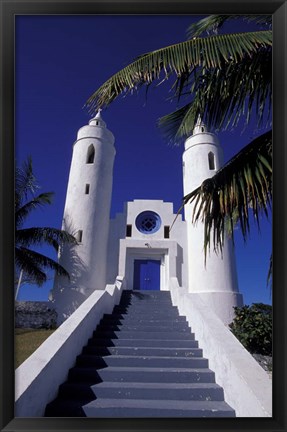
(224, 96)
(27, 264)
(213, 23)
(181, 60)
(33, 264)
(21, 212)
(179, 123)
(43, 235)
(241, 187)
(25, 182)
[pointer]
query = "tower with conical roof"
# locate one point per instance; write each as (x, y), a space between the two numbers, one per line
(86, 215)
(215, 281)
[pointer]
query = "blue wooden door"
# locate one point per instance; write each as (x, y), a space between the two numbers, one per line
(146, 274)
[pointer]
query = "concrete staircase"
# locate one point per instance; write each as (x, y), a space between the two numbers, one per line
(142, 361)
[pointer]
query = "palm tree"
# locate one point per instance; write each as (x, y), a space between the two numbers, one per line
(28, 262)
(224, 78)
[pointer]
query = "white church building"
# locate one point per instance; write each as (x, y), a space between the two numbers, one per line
(139, 243)
(137, 250)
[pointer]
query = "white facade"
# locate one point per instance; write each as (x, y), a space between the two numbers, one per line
(167, 247)
(108, 248)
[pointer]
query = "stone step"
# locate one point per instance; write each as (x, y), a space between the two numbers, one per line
(135, 304)
(161, 408)
(147, 300)
(140, 325)
(146, 295)
(153, 391)
(156, 309)
(159, 343)
(137, 335)
(121, 319)
(137, 409)
(143, 351)
(153, 304)
(141, 374)
(179, 327)
(152, 316)
(141, 361)
(141, 316)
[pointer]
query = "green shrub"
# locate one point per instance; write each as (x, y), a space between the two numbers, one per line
(252, 326)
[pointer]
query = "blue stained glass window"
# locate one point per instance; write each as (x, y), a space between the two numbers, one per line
(148, 222)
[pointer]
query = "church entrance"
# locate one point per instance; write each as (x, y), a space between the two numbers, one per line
(146, 274)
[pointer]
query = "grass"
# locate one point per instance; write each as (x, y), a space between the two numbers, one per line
(27, 340)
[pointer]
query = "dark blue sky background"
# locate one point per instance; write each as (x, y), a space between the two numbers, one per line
(60, 62)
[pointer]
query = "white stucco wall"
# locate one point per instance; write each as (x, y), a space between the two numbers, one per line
(170, 251)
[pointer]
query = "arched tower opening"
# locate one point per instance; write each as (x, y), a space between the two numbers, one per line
(91, 154)
(211, 161)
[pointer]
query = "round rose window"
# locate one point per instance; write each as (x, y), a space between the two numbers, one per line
(148, 222)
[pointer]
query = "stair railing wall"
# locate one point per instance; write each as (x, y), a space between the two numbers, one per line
(247, 387)
(38, 378)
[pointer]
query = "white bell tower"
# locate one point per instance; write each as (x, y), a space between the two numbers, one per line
(215, 282)
(86, 216)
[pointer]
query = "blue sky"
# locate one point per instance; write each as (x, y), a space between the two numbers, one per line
(60, 62)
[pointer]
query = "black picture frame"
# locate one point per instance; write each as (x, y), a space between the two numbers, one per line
(8, 10)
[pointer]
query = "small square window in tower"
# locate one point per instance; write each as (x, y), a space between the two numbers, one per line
(87, 189)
